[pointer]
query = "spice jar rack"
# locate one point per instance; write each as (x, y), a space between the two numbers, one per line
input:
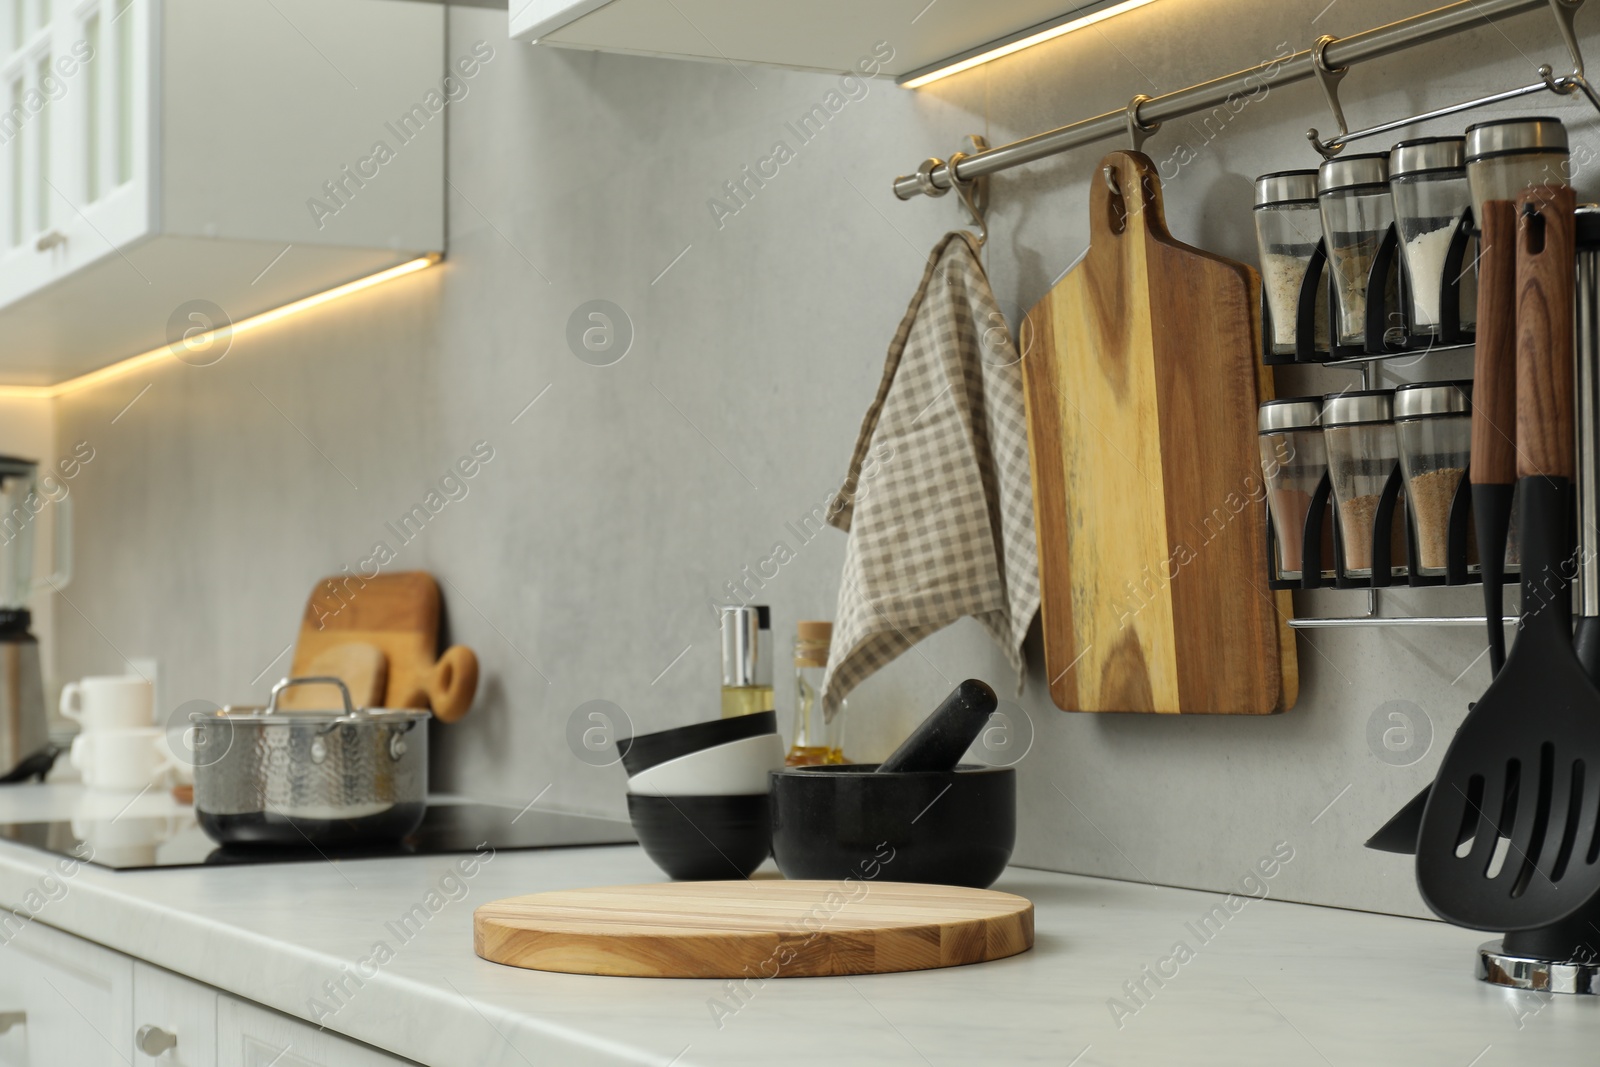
(1392, 526)
(1386, 314)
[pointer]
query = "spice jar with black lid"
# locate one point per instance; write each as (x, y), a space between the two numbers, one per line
(1433, 424)
(1505, 156)
(1294, 461)
(1357, 210)
(1428, 179)
(1363, 452)
(1288, 227)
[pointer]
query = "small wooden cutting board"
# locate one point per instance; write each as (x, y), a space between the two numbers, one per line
(770, 929)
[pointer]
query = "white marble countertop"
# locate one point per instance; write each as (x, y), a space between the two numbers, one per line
(1272, 983)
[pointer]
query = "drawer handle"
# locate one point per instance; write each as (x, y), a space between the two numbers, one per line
(153, 1041)
(49, 240)
(8, 1019)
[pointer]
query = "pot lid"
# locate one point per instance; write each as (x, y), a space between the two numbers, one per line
(347, 714)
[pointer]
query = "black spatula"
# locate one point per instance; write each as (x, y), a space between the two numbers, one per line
(1494, 461)
(1520, 785)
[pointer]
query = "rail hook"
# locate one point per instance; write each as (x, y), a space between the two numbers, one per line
(1565, 11)
(1138, 130)
(974, 192)
(925, 177)
(1328, 77)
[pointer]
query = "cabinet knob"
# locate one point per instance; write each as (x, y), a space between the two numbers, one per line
(49, 240)
(153, 1041)
(8, 1019)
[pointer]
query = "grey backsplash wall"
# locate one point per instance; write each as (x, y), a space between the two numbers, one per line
(582, 559)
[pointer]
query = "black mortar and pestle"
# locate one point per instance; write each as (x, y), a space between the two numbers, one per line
(916, 817)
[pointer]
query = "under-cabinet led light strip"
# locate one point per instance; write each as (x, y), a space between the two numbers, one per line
(156, 355)
(1015, 43)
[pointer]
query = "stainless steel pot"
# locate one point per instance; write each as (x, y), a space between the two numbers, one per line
(325, 778)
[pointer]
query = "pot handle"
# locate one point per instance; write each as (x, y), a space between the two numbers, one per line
(288, 683)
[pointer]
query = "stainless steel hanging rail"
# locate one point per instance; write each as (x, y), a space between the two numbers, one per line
(1146, 113)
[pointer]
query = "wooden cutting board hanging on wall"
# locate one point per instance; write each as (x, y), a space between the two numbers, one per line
(1142, 381)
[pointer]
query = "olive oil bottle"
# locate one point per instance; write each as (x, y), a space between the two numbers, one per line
(817, 738)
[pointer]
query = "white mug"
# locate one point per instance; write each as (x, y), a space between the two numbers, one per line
(109, 703)
(122, 760)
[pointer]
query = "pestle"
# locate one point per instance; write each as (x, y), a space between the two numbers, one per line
(938, 743)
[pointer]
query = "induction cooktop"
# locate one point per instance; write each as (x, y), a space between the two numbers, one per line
(140, 842)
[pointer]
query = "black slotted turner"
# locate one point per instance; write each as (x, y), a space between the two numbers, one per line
(1519, 788)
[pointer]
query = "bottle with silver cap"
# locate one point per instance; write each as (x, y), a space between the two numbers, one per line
(1428, 179)
(746, 659)
(1433, 424)
(1294, 461)
(1363, 452)
(1505, 156)
(1357, 211)
(1288, 229)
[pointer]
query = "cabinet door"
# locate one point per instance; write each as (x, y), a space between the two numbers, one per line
(174, 1019)
(75, 135)
(13, 999)
(78, 998)
(252, 1036)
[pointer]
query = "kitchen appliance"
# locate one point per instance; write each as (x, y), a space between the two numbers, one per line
(400, 615)
(342, 777)
(1141, 389)
(176, 840)
(753, 930)
(24, 731)
(1514, 774)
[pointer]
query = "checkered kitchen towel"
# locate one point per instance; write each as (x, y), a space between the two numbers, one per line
(938, 502)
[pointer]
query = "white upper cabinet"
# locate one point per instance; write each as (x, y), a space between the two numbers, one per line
(823, 35)
(240, 153)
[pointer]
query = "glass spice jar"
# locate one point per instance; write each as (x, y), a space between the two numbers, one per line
(1433, 424)
(1288, 227)
(1294, 460)
(1357, 210)
(1428, 180)
(1358, 430)
(1505, 156)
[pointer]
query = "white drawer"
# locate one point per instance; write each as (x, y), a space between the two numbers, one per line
(251, 1036)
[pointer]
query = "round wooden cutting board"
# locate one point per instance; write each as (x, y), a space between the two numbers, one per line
(765, 929)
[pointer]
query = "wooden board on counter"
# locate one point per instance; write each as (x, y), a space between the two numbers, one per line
(738, 929)
(395, 613)
(1142, 385)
